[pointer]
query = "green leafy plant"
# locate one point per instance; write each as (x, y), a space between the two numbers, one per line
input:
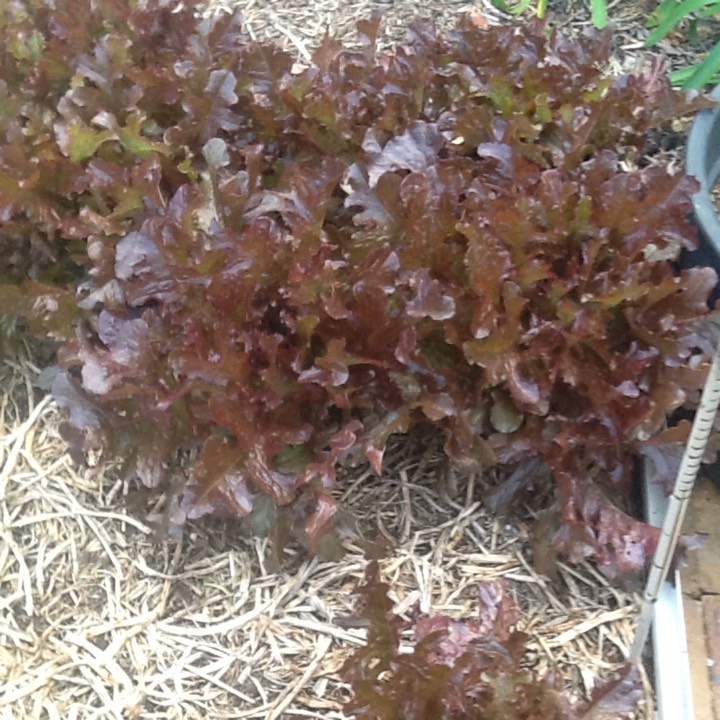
(516, 8)
(277, 268)
(599, 13)
(669, 14)
(598, 9)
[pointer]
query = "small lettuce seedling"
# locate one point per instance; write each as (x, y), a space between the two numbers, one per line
(462, 670)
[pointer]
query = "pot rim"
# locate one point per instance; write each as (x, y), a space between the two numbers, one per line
(703, 163)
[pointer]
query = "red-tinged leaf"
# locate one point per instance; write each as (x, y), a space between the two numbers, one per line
(279, 486)
(466, 445)
(133, 254)
(452, 639)
(325, 56)
(697, 284)
(379, 207)
(415, 150)
(488, 263)
(617, 698)
(332, 368)
(105, 67)
(376, 439)
(50, 311)
(429, 300)
(662, 460)
(126, 338)
(340, 445)
(593, 526)
(499, 613)
(321, 521)
(498, 616)
(303, 197)
(84, 415)
(375, 609)
(438, 406)
(209, 108)
(222, 83)
(523, 389)
(368, 31)
(491, 350)
(229, 495)
(335, 305)
(217, 458)
(501, 153)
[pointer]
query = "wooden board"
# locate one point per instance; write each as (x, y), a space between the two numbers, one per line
(702, 574)
(711, 617)
(697, 648)
(701, 587)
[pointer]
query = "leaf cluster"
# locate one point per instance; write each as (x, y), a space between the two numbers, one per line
(276, 267)
(462, 670)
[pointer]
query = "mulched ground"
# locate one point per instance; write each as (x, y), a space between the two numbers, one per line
(98, 619)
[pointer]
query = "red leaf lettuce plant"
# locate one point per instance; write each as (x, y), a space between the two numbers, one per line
(276, 266)
(462, 670)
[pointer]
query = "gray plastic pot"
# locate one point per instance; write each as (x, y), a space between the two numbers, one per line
(703, 162)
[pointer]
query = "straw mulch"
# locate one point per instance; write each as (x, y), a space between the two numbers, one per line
(297, 25)
(98, 619)
(101, 619)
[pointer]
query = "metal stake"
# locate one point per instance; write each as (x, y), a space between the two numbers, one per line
(672, 526)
